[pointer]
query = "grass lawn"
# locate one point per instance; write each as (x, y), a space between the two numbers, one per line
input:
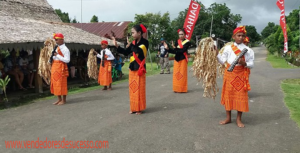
(278, 62)
(291, 89)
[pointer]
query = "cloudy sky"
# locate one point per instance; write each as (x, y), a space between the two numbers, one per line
(254, 12)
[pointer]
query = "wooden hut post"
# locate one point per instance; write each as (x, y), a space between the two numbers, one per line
(38, 82)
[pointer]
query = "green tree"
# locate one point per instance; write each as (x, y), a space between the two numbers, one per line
(63, 16)
(200, 28)
(224, 22)
(252, 33)
(269, 29)
(293, 20)
(158, 27)
(74, 20)
(94, 19)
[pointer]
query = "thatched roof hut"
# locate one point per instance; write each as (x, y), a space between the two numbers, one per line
(28, 23)
(33, 9)
(32, 33)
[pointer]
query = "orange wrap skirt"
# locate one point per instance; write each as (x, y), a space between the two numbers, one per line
(59, 75)
(180, 78)
(234, 96)
(137, 91)
(104, 77)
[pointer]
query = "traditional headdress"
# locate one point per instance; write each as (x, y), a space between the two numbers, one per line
(241, 29)
(58, 36)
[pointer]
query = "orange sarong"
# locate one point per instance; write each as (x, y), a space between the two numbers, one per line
(137, 91)
(59, 75)
(234, 93)
(104, 77)
(180, 78)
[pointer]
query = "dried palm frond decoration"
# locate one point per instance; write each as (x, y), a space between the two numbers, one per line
(205, 67)
(220, 66)
(44, 69)
(92, 65)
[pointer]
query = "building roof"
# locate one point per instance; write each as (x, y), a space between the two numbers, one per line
(105, 28)
(24, 21)
(33, 9)
(23, 30)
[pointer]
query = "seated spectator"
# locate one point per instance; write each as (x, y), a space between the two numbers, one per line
(81, 65)
(12, 68)
(2, 73)
(73, 63)
(24, 64)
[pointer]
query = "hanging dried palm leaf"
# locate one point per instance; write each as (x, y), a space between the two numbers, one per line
(92, 65)
(205, 67)
(44, 69)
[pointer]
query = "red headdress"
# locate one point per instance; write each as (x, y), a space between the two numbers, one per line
(104, 42)
(241, 29)
(247, 40)
(58, 36)
(144, 29)
(183, 29)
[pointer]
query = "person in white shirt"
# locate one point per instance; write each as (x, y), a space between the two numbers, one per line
(105, 78)
(236, 83)
(59, 70)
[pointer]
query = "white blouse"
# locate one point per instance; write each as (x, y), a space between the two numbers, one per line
(65, 51)
(229, 56)
(107, 53)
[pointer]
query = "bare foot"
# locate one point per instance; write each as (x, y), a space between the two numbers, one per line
(56, 102)
(131, 112)
(240, 124)
(138, 113)
(225, 121)
(105, 88)
(61, 103)
(109, 89)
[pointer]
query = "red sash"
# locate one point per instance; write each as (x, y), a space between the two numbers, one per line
(247, 70)
(181, 46)
(142, 69)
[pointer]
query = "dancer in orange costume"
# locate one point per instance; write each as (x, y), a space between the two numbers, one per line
(59, 70)
(137, 73)
(180, 78)
(236, 83)
(106, 57)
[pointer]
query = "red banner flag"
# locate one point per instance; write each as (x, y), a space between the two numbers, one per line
(191, 18)
(280, 4)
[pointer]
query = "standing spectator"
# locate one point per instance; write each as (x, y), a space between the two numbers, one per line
(118, 62)
(215, 42)
(164, 57)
